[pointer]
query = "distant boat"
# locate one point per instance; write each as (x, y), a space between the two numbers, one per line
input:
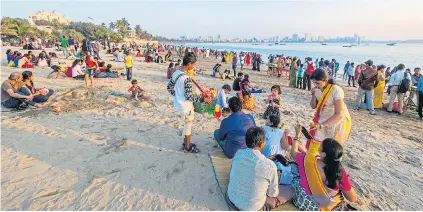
(282, 44)
(348, 46)
(324, 44)
(270, 44)
(391, 44)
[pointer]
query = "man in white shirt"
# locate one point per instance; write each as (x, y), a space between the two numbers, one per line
(253, 180)
(394, 84)
(180, 86)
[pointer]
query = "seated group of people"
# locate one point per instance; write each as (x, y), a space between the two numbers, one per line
(19, 92)
(261, 176)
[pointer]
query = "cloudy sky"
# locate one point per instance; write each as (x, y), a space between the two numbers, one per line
(375, 19)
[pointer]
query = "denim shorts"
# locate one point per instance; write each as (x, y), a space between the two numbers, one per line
(91, 72)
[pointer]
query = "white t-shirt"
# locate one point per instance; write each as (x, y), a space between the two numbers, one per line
(76, 70)
(180, 103)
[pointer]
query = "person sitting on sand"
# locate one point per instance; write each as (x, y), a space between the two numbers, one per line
(136, 91)
(10, 95)
(25, 62)
(77, 71)
(216, 70)
(222, 99)
(40, 95)
(138, 53)
(231, 134)
(245, 94)
(275, 102)
(253, 179)
(170, 70)
(320, 180)
(276, 140)
(236, 86)
(42, 60)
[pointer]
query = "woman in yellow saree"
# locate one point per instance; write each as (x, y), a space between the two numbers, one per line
(331, 119)
(320, 183)
(380, 89)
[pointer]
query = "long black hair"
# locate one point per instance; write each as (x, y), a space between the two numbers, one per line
(76, 62)
(26, 75)
(321, 75)
(333, 168)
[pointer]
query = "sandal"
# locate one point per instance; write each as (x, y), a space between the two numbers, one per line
(193, 149)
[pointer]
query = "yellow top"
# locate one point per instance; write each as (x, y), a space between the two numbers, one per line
(128, 61)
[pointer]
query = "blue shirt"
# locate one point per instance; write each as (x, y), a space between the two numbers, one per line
(222, 99)
(321, 63)
(233, 129)
(420, 84)
(70, 42)
(273, 142)
(350, 71)
(346, 67)
(300, 72)
(397, 78)
(336, 66)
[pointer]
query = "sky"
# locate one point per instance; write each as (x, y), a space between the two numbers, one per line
(374, 19)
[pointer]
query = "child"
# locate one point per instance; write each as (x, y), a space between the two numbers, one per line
(215, 69)
(136, 91)
(236, 86)
(170, 70)
(226, 112)
(276, 142)
(300, 75)
(222, 99)
(275, 102)
(226, 74)
(58, 70)
(128, 66)
(138, 53)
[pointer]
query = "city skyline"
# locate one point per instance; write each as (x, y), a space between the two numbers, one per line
(377, 20)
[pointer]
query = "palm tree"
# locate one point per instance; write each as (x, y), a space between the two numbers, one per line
(112, 26)
(22, 28)
(138, 30)
(121, 27)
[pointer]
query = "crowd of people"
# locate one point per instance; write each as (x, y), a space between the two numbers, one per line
(269, 165)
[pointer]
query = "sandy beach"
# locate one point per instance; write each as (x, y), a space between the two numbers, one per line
(95, 155)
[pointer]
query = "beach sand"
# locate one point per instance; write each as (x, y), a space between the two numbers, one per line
(96, 155)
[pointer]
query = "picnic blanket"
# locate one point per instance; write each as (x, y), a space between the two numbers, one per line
(221, 167)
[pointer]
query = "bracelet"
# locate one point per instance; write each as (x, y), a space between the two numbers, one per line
(295, 139)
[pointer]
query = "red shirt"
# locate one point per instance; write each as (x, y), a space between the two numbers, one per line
(138, 89)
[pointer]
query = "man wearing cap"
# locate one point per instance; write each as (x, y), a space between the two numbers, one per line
(367, 79)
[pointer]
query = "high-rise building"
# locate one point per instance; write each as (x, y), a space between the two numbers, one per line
(218, 37)
(321, 39)
(277, 39)
(308, 37)
(295, 37)
(356, 38)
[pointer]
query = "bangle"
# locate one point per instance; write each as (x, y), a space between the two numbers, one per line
(295, 139)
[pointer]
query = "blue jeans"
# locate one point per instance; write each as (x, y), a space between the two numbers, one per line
(129, 73)
(253, 90)
(220, 142)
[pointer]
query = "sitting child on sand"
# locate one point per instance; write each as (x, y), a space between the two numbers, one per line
(136, 91)
(274, 101)
(276, 141)
(170, 70)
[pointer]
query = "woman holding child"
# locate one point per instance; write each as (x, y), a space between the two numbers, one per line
(331, 119)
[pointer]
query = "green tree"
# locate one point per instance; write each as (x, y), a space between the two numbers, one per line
(112, 26)
(138, 30)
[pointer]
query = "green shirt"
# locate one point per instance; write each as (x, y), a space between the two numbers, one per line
(64, 42)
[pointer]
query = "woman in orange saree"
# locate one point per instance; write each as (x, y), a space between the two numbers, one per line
(331, 119)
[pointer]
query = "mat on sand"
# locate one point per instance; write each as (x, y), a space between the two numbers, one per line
(221, 167)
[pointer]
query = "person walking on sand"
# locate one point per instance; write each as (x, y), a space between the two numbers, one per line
(367, 79)
(64, 43)
(180, 86)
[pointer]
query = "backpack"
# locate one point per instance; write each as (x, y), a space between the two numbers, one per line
(310, 68)
(405, 84)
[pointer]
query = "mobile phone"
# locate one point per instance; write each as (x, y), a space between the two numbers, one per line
(306, 133)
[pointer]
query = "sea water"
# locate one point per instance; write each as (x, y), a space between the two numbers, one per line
(410, 54)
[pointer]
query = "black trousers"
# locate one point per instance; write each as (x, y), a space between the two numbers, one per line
(351, 78)
(306, 81)
(299, 82)
(420, 106)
